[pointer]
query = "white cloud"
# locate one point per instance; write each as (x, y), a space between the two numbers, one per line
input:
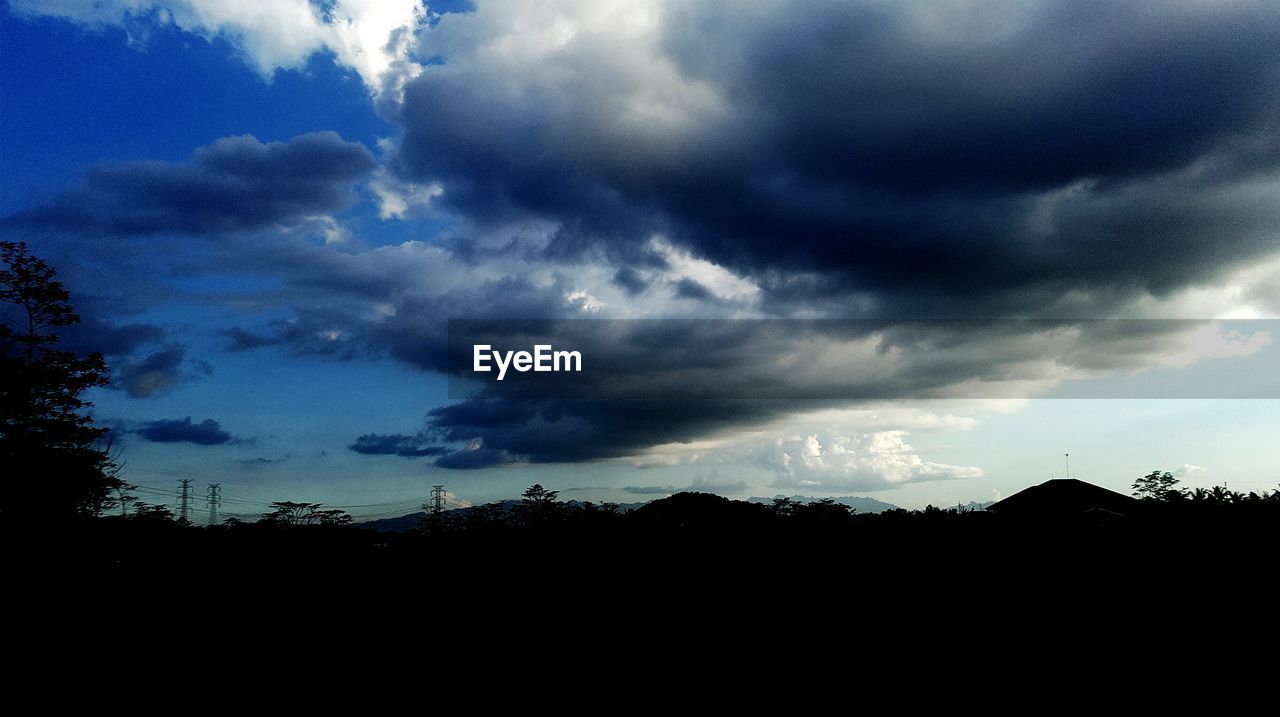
(398, 199)
(1188, 469)
(741, 446)
(372, 37)
(870, 461)
(718, 280)
(584, 302)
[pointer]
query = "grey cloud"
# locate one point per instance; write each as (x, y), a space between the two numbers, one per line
(181, 430)
(630, 281)
(690, 289)
(92, 334)
(474, 459)
(235, 184)
(414, 333)
(650, 489)
(158, 373)
(669, 382)
(1055, 151)
(853, 158)
(565, 431)
(713, 483)
(260, 461)
(835, 359)
(405, 446)
(239, 339)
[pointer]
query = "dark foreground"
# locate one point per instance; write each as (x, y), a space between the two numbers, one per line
(680, 547)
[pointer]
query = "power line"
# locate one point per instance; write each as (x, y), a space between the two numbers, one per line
(435, 502)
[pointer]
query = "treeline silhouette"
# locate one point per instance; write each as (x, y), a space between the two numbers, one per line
(686, 534)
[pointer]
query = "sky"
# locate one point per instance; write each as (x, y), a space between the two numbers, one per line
(957, 240)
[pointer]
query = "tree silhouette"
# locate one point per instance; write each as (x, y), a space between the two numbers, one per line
(154, 514)
(824, 510)
(1156, 486)
(783, 507)
(538, 496)
(56, 464)
(538, 505)
(289, 513)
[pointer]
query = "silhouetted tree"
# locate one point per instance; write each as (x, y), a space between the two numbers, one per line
(539, 496)
(289, 513)
(490, 515)
(1155, 486)
(783, 507)
(149, 513)
(538, 505)
(123, 498)
(824, 510)
(51, 450)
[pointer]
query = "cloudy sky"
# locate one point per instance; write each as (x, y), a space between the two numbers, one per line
(958, 239)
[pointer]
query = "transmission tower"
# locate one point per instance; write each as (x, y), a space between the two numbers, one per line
(437, 500)
(213, 500)
(184, 500)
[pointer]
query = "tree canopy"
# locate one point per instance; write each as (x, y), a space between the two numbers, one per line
(290, 513)
(57, 463)
(1155, 486)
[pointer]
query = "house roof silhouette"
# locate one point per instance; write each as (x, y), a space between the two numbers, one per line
(1065, 497)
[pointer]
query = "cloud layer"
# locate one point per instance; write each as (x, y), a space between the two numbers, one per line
(871, 461)
(974, 157)
(235, 184)
(613, 159)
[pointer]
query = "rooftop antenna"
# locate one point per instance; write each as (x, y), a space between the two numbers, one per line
(1067, 457)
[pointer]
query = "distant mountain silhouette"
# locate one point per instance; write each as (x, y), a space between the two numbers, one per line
(859, 503)
(969, 507)
(402, 523)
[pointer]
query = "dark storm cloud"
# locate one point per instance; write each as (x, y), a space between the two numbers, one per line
(559, 431)
(474, 459)
(665, 382)
(870, 159)
(415, 333)
(901, 160)
(630, 281)
(159, 372)
(181, 430)
(235, 184)
(678, 359)
(982, 158)
(415, 446)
